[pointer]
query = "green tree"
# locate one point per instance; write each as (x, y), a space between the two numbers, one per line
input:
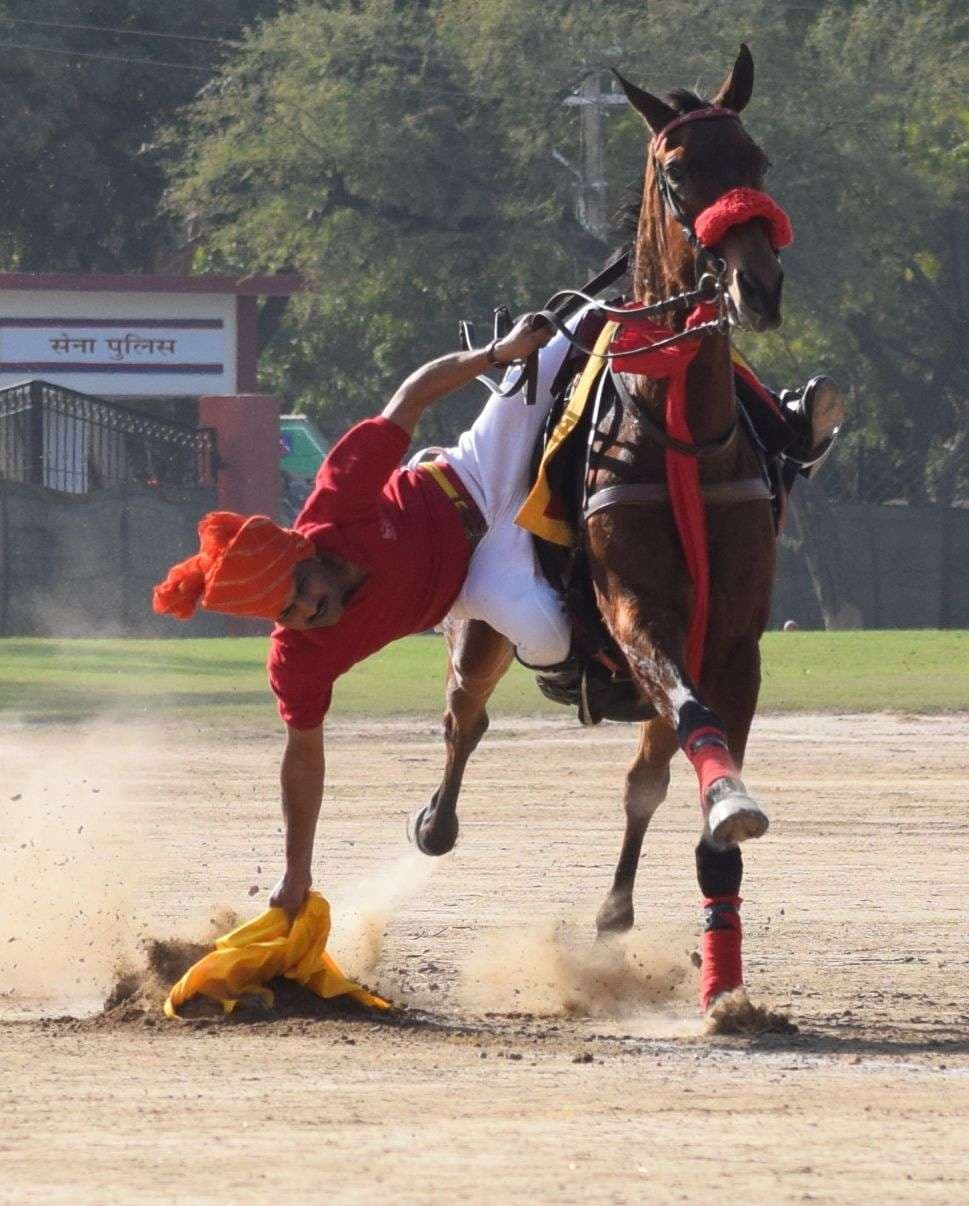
(400, 156)
(406, 158)
(81, 98)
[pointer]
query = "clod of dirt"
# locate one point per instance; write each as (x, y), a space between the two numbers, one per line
(292, 1000)
(139, 992)
(735, 1013)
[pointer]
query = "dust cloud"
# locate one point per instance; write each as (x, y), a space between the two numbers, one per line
(549, 970)
(66, 917)
(363, 910)
(735, 1013)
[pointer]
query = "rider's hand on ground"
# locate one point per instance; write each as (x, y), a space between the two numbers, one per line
(522, 340)
(290, 893)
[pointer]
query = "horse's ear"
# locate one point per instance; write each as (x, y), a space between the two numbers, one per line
(739, 84)
(656, 113)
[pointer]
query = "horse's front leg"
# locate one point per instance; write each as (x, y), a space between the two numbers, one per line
(731, 685)
(653, 649)
(478, 657)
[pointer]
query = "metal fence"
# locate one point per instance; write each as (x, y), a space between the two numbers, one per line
(71, 442)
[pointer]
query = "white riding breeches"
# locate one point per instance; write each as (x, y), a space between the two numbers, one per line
(505, 586)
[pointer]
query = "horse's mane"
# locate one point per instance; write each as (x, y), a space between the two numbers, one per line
(685, 101)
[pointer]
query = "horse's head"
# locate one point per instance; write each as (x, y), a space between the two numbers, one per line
(692, 162)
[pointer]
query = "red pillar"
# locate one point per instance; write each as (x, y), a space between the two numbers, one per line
(247, 440)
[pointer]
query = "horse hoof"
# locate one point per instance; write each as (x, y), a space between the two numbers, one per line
(414, 822)
(432, 846)
(736, 818)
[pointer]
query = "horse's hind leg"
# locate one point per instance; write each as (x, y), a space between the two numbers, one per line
(647, 781)
(478, 657)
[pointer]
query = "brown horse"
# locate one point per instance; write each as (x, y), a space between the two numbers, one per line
(643, 588)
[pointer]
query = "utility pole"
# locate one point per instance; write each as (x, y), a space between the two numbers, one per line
(592, 202)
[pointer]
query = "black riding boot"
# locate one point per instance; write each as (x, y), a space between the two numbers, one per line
(816, 414)
(561, 683)
(594, 690)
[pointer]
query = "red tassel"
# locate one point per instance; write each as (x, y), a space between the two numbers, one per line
(180, 593)
(722, 967)
(682, 472)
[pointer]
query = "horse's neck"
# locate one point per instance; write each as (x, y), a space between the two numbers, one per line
(710, 402)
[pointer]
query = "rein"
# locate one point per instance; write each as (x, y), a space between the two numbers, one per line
(709, 291)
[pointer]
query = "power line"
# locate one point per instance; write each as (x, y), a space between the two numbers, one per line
(106, 58)
(132, 33)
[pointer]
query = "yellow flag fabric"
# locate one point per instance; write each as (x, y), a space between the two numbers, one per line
(248, 957)
(540, 513)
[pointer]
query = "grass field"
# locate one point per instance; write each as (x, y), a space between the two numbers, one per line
(918, 671)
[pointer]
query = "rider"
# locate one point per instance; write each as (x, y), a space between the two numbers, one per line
(379, 552)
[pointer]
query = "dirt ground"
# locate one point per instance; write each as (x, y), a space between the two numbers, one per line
(528, 1065)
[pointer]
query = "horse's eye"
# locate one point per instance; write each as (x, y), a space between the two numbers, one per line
(675, 173)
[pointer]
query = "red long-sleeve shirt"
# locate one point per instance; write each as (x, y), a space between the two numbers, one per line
(401, 528)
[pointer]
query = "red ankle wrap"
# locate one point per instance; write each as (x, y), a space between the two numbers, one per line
(722, 968)
(707, 750)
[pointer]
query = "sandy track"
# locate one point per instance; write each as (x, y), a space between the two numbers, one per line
(856, 921)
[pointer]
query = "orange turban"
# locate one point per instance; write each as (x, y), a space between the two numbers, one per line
(244, 567)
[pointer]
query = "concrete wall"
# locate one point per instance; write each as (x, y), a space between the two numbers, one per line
(903, 567)
(76, 565)
(73, 565)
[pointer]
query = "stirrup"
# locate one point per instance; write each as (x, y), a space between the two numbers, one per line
(820, 412)
(605, 697)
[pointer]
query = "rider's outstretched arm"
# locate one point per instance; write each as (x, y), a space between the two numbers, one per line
(443, 376)
(301, 779)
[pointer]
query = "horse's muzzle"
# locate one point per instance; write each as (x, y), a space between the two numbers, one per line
(759, 301)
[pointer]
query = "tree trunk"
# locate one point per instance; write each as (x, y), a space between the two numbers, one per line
(817, 530)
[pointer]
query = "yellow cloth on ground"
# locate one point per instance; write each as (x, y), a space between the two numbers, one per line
(540, 513)
(248, 957)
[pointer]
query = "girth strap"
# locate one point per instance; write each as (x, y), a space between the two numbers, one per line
(748, 489)
(657, 434)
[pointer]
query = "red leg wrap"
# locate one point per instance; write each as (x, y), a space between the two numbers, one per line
(711, 761)
(722, 968)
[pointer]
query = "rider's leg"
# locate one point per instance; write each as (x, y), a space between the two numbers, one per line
(801, 430)
(493, 457)
(505, 588)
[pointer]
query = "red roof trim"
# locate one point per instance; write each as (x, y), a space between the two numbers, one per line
(244, 286)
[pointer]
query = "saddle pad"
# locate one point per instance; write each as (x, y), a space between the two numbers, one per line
(542, 512)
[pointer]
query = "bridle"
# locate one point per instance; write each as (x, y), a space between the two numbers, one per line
(735, 206)
(708, 113)
(710, 288)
